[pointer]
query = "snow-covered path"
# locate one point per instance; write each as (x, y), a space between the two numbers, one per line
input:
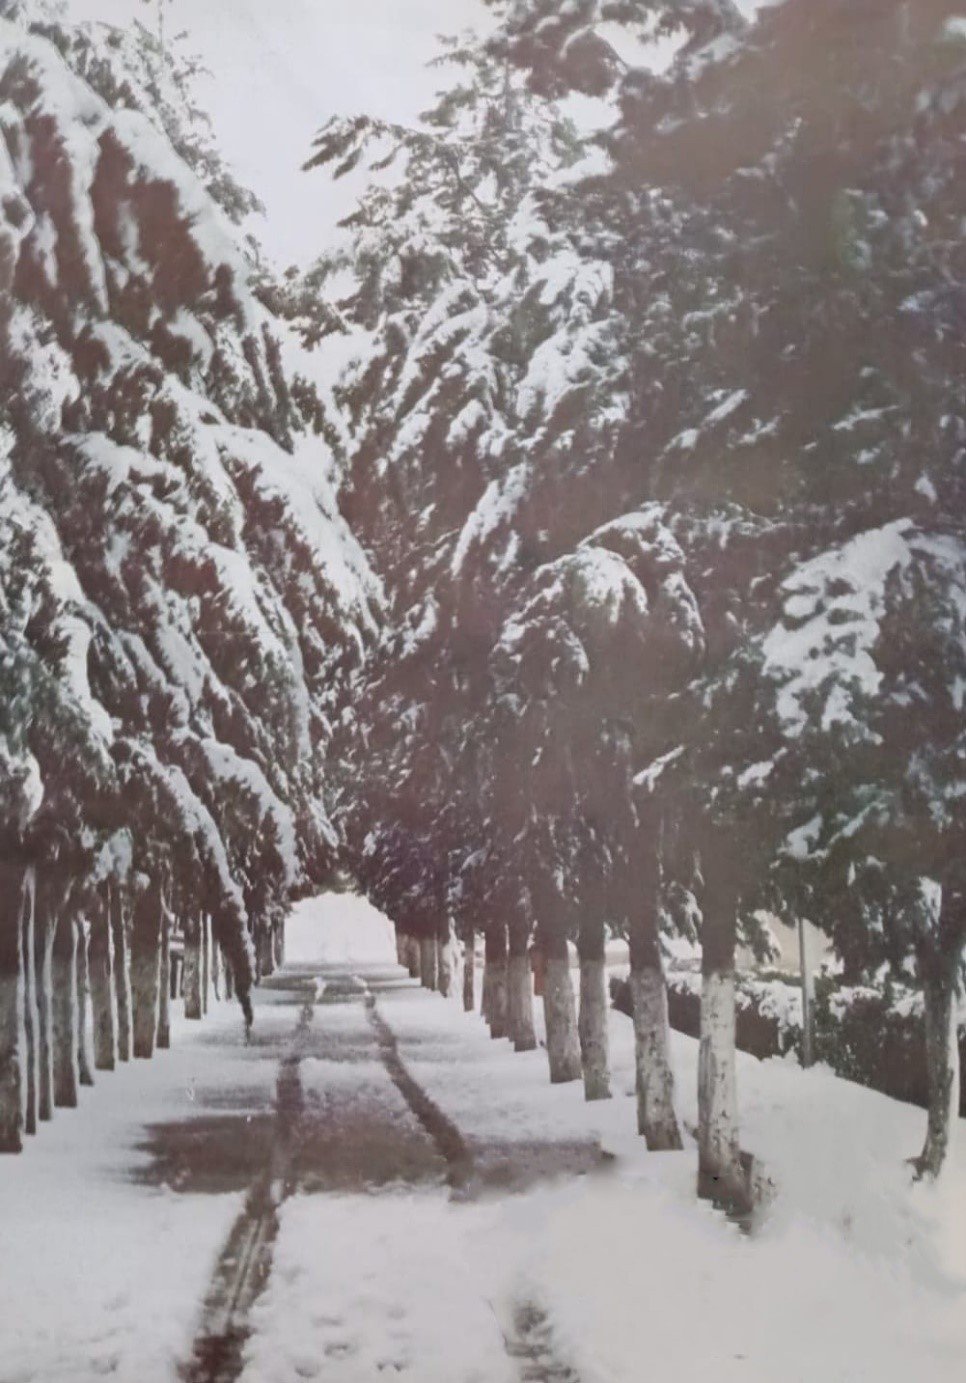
(372, 1188)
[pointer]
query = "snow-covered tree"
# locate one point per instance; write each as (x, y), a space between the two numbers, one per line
(183, 604)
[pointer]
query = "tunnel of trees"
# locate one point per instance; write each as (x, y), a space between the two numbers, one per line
(617, 586)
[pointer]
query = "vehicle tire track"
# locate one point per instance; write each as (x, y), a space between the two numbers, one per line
(243, 1267)
(444, 1133)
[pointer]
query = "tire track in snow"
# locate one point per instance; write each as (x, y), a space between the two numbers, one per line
(243, 1267)
(530, 1342)
(444, 1133)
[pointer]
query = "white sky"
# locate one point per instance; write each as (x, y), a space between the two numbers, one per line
(280, 68)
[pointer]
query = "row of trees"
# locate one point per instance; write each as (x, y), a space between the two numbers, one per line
(181, 603)
(657, 442)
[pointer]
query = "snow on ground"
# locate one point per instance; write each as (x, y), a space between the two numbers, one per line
(102, 1274)
(379, 1270)
(389, 1285)
(853, 1274)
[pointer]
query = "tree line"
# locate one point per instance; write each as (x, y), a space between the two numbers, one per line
(181, 603)
(656, 441)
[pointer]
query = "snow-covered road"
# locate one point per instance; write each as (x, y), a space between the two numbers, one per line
(372, 1188)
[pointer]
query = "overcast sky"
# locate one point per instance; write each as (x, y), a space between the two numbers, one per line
(282, 67)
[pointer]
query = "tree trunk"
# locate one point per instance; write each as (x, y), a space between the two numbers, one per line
(85, 1065)
(278, 944)
(656, 1117)
(206, 962)
(495, 979)
(469, 971)
(519, 988)
(164, 982)
(413, 961)
(192, 967)
(486, 993)
(592, 1020)
(229, 977)
(43, 955)
(12, 1042)
(444, 966)
(402, 945)
(427, 961)
(939, 980)
(560, 1011)
(721, 1175)
(100, 960)
(146, 969)
(31, 1022)
(216, 970)
(266, 954)
(122, 974)
(64, 973)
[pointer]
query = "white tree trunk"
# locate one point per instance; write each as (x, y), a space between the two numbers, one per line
(145, 971)
(427, 961)
(43, 950)
(12, 1041)
(520, 1004)
(278, 944)
(85, 1065)
(942, 1064)
(592, 1029)
(206, 960)
(721, 1176)
(30, 1018)
(402, 947)
(101, 961)
(656, 1117)
(560, 1016)
(122, 975)
(64, 973)
(413, 961)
